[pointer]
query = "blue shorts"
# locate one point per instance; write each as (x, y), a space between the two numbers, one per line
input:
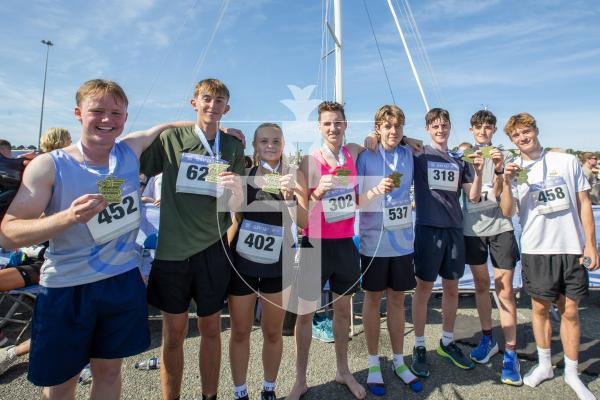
(439, 251)
(104, 319)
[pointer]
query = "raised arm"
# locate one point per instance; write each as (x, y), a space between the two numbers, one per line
(507, 200)
(22, 225)
(141, 140)
(473, 190)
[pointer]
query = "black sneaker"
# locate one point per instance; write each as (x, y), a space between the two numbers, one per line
(455, 354)
(268, 395)
(419, 365)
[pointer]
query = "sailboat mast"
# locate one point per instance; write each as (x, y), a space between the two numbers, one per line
(339, 85)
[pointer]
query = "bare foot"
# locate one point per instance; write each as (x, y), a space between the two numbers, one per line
(348, 379)
(298, 390)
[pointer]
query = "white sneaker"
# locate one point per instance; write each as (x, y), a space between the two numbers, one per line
(7, 358)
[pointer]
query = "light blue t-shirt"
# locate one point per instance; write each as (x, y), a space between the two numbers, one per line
(375, 241)
(73, 257)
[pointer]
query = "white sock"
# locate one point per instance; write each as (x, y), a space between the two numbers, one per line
(447, 338)
(374, 370)
(542, 371)
(572, 379)
(419, 341)
(404, 373)
(240, 391)
(269, 386)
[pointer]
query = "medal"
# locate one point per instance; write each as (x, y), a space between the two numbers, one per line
(396, 178)
(343, 176)
(271, 183)
(110, 189)
(465, 157)
(486, 151)
(214, 169)
(523, 175)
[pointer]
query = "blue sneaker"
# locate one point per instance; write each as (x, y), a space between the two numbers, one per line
(488, 346)
(511, 369)
(323, 330)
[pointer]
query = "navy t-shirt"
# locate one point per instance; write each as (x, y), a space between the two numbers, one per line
(438, 182)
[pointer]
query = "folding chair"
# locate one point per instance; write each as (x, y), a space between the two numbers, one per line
(20, 307)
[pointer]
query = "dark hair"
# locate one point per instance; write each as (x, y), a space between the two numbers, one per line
(483, 117)
(332, 106)
(5, 143)
(436, 113)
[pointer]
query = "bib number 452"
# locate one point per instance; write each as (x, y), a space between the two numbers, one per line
(117, 211)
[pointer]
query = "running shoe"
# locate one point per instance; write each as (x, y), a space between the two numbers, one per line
(323, 330)
(268, 395)
(7, 358)
(85, 377)
(455, 354)
(488, 346)
(419, 364)
(511, 369)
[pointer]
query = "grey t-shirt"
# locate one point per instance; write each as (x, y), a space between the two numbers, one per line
(490, 221)
(438, 207)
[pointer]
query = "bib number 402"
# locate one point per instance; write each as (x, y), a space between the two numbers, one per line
(550, 194)
(117, 211)
(259, 242)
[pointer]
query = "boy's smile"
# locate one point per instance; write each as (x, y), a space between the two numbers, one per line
(333, 127)
(483, 133)
(102, 118)
(439, 131)
(391, 133)
(210, 108)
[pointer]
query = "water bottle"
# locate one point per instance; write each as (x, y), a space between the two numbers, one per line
(151, 363)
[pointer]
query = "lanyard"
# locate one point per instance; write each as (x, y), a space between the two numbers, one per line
(393, 165)
(544, 168)
(112, 160)
(204, 141)
(341, 159)
(266, 165)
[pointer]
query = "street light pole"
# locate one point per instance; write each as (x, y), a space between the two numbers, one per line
(48, 43)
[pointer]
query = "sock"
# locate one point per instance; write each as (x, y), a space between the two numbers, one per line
(419, 341)
(487, 332)
(401, 369)
(268, 386)
(447, 338)
(510, 347)
(240, 391)
(374, 370)
(572, 379)
(542, 371)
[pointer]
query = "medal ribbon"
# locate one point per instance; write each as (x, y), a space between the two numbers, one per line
(112, 160)
(341, 160)
(266, 166)
(393, 165)
(217, 153)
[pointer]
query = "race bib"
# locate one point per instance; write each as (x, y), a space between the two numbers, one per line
(442, 176)
(551, 196)
(259, 242)
(397, 216)
(116, 219)
(488, 200)
(339, 204)
(199, 175)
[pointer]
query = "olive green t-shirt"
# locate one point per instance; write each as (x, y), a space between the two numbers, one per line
(189, 223)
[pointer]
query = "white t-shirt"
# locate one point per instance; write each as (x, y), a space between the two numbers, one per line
(153, 187)
(546, 231)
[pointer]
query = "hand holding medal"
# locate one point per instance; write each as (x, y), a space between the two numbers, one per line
(342, 176)
(396, 178)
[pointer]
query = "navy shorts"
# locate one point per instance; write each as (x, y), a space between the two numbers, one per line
(381, 273)
(105, 319)
(439, 251)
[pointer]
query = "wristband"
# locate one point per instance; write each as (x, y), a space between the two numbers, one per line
(499, 173)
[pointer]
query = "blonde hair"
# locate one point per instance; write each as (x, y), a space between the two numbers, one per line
(387, 112)
(255, 158)
(523, 118)
(101, 87)
(211, 86)
(55, 138)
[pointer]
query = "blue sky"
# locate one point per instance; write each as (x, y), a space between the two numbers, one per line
(537, 56)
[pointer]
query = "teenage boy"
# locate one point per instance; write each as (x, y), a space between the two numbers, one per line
(85, 200)
(192, 260)
(328, 243)
(440, 250)
(386, 242)
(558, 242)
(590, 161)
(487, 231)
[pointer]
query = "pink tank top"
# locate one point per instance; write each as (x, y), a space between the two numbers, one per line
(330, 230)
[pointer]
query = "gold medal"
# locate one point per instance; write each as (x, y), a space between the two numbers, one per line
(523, 175)
(465, 157)
(343, 176)
(214, 169)
(271, 183)
(486, 151)
(396, 178)
(110, 189)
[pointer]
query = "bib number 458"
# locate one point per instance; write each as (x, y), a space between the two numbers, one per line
(550, 194)
(117, 211)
